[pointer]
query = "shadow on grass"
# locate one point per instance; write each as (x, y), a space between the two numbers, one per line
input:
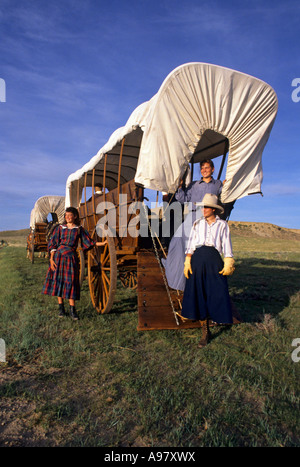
(262, 286)
(125, 305)
(125, 302)
(258, 287)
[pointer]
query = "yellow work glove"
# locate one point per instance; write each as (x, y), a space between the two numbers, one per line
(187, 266)
(228, 268)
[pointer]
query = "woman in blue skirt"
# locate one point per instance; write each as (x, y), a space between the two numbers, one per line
(62, 279)
(206, 294)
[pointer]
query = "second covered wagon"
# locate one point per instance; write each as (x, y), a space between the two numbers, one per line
(40, 226)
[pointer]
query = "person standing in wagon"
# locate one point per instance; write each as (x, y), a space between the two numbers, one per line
(192, 194)
(206, 294)
(62, 279)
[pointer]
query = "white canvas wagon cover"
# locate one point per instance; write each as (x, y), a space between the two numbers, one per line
(46, 205)
(200, 111)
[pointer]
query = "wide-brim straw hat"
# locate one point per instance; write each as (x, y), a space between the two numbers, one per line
(211, 201)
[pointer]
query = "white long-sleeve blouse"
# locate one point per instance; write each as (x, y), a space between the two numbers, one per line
(216, 234)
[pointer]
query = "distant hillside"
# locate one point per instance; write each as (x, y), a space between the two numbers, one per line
(238, 229)
(15, 237)
(14, 233)
(262, 229)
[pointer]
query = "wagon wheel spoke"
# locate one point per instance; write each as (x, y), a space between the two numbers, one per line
(102, 273)
(93, 279)
(104, 258)
(31, 246)
(105, 278)
(92, 256)
(129, 279)
(98, 290)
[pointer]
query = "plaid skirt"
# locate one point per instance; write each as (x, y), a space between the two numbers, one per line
(64, 281)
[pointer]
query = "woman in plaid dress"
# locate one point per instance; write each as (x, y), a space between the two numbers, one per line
(62, 279)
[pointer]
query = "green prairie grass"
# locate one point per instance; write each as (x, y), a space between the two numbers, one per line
(100, 382)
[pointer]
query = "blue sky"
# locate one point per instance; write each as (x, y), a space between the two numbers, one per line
(75, 70)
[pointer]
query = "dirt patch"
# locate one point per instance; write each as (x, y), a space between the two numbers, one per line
(46, 408)
(19, 415)
(17, 426)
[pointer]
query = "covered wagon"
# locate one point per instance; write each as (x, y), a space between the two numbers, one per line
(40, 226)
(201, 111)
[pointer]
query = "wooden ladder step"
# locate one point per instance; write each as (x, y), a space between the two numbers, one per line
(154, 307)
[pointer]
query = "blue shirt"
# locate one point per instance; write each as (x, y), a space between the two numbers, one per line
(196, 190)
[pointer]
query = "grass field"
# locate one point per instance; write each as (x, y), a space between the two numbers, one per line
(100, 382)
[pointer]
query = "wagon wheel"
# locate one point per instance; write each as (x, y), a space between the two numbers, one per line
(128, 279)
(31, 247)
(102, 272)
(81, 261)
